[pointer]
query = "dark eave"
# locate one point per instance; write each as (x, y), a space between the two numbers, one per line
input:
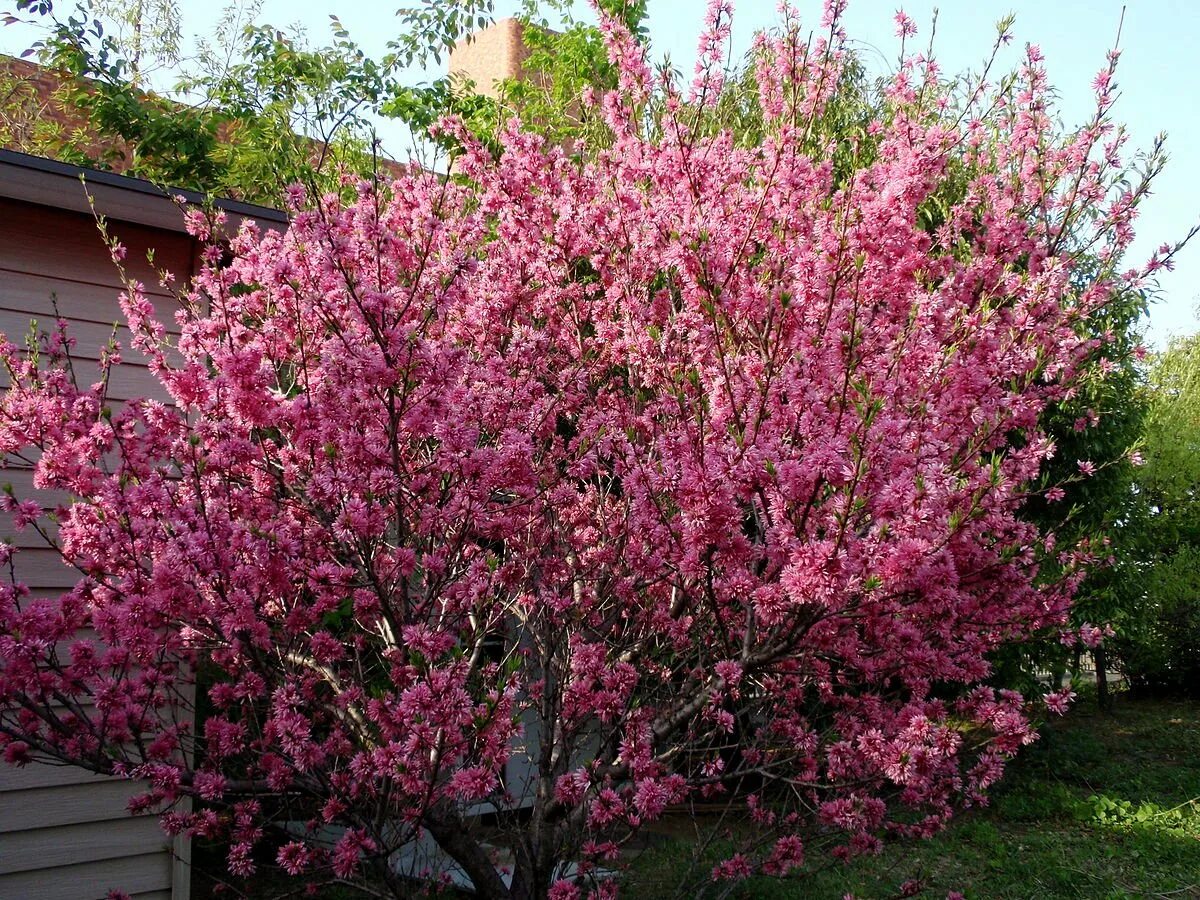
(47, 182)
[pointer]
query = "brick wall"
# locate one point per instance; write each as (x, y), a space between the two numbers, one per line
(489, 56)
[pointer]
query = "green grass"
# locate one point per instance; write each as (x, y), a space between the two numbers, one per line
(1103, 806)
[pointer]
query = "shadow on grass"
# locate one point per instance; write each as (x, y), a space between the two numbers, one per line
(1102, 806)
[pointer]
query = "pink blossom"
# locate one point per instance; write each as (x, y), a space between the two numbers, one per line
(240, 859)
(347, 852)
(1093, 636)
(25, 513)
(570, 789)
(294, 857)
(905, 26)
(296, 195)
(209, 785)
(1059, 701)
(735, 868)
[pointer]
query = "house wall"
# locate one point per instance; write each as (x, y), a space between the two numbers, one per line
(65, 834)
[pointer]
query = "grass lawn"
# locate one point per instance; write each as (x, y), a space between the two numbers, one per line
(1102, 806)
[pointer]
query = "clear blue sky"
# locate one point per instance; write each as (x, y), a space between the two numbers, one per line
(1159, 75)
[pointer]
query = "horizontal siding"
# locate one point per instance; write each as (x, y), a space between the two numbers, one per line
(41, 775)
(24, 537)
(45, 848)
(65, 834)
(50, 807)
(90, 337)
(135, 874)
(45, 568)
(42, 593)
(21, 480)
(69, 247)
(125, 381)
(30, 295)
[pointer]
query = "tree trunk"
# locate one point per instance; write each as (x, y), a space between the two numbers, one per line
(528, 882)
(1100, 655)
(453, 836)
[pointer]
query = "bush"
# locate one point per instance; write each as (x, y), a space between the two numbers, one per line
(571, 488)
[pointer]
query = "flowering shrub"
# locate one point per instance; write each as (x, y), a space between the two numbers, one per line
(675, 471)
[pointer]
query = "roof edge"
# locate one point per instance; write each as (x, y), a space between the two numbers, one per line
(48, 182)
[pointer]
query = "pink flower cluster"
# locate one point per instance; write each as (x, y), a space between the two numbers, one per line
(643, 473)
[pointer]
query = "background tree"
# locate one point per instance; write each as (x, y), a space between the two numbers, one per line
(148, 33)
(1161, 649)
(255, 110)
(1098, 429)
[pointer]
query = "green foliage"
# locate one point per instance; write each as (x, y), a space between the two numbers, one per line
(560, 65)
(293, 113)
(1171, 475)
(128, 128)
(147, 31)
(1101, 424)
(1161, 649)
(433, 28)
(256, 110)
(22, 124)
(420, 106)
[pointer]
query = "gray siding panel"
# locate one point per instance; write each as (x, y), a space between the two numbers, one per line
(134, 874)
(126, 381)
(42, 775)
(51, 807)
(69, 248)
(27, 295)
(90, 337)
(44, 568)
(43, 848)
